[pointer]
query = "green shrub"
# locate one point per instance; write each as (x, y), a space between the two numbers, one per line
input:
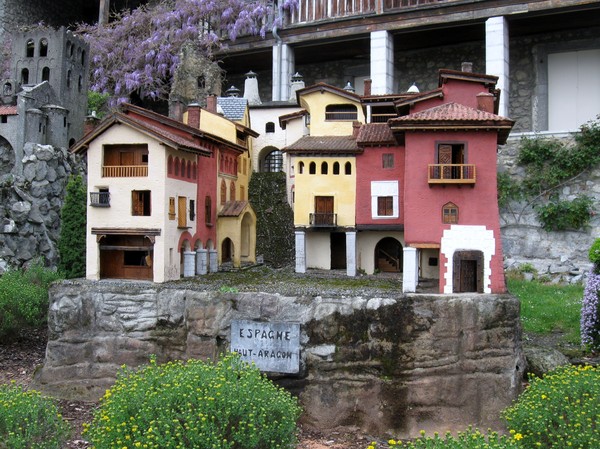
(24, 298)
(71, 242)
(560, 410)
(563, 215)
(594, 255)
(469, 439)
(30, 421)
(195, 404)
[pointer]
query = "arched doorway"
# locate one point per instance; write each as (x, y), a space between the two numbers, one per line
(227, 250)
(388, 255)
(467, 269)
(7, 156)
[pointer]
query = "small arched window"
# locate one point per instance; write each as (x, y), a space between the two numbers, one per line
(312, 168)
(170, 165)
(450, 213)
(189, 170)
(336, 168)
(232, 191)
(194, 170)
(324, 168)
(83, 58)
(207, 210)
(25, 76)
(43, 48)
(223, 192)
(300, 167)
(273, 161)
(176, 166)
(348, 168)
(46, 74)
(270, 127)
(7, 89)
(68, 78)
(30, 48)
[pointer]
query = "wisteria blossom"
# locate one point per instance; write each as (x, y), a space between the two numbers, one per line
(590, 323)
(139, 51)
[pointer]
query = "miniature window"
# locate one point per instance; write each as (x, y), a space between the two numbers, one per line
(25, 76)
(450, 213)
(43, 48)
(348, 168)
(207, 210)
(189, 169)
(170, 165)
(181, 212)
(324, 168)
(176, 166)
(270, 127)
(223, 192)
(192, 210)
(341, 112)
(83, 58)
(46, 74)
(4, 119)
(387, 160)
(171, 208)
(312, 168)
(140, 202)
(30, 48)
(242, 193)
(385, 206)
(232, 191)
(336, 168)
(68, 78)
(300, 167)
(273, 161)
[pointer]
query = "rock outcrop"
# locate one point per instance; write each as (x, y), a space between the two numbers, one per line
(393, 363)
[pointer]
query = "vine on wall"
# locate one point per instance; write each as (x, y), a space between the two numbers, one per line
(549, 165)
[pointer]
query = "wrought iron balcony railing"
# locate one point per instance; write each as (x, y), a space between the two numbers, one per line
(323, 219)
(100, 199)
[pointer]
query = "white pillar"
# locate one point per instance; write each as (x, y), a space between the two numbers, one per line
(213, 264)
(189, 264)
(496, 57)
(382, 62)
(201, 261)
(283, 69)
(300, 252)
(351, 253)
(410, 277)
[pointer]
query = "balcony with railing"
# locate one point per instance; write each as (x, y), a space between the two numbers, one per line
(451, 174)
(100, 199)
(124, 171)
(323, 219)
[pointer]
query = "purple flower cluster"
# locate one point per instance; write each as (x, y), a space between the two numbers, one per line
(139, 51)
(590, 318)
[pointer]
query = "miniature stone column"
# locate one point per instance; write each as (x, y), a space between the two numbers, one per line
(300, 252)
(351, 253)
(382, 62)
(189, 264)
(213, 263)
(201, 261)
(496, 57)
(410, 277)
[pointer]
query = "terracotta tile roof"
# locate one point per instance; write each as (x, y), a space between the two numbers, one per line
(375, 134)
(8, 110)
(233, 208)
(453, 116)
(324, 144)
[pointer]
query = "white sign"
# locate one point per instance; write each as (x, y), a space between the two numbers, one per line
(273, 347)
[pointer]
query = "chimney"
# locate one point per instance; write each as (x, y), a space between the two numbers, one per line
(232, 92)
(251, 89)
(193, 118)
(466, 67)
(91, 121)
(367, 90)
(296, 84)
(485, 102)
(211, 103)
(355, 129)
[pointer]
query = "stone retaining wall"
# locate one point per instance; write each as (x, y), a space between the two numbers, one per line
(393, 364)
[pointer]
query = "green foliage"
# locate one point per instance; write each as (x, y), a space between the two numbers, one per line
(469, 439)
(24, 298)
(195, 405)
(508, 189)
(559, 410)
(30, 421)
(563, 215)
(71, 243)
(594, 255)
(274, 218)
(98, 103)
(548, 308)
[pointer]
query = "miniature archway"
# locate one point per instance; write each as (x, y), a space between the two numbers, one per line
(388, 255)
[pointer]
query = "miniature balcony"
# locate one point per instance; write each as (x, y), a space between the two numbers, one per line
(124, 171)
(100, 199)
(323, 220)
(451, 174)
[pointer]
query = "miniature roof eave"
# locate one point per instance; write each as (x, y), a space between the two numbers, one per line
(322, 152)
(161, 119)
(417, 98)
(234, 209)
(503, 129)
(283, 119)
(322, 87)
(487, 80)
(246, 130)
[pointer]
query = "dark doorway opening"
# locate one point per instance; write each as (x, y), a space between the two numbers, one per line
(338, 250)
(388, 255)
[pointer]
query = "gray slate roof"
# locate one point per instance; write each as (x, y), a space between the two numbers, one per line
(233, 107)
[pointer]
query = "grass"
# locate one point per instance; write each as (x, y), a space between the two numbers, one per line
(549, 308)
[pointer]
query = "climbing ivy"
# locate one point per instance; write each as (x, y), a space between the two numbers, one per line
(550, 164)
(71, 242)
(274, 218)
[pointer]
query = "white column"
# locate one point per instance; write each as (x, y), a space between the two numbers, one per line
(300, 252)
(201, 261)
(283, 69)
(213, 264)
(382, 62)
(351, 253)
(410, 277)
(496, 57)
(189, 264)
